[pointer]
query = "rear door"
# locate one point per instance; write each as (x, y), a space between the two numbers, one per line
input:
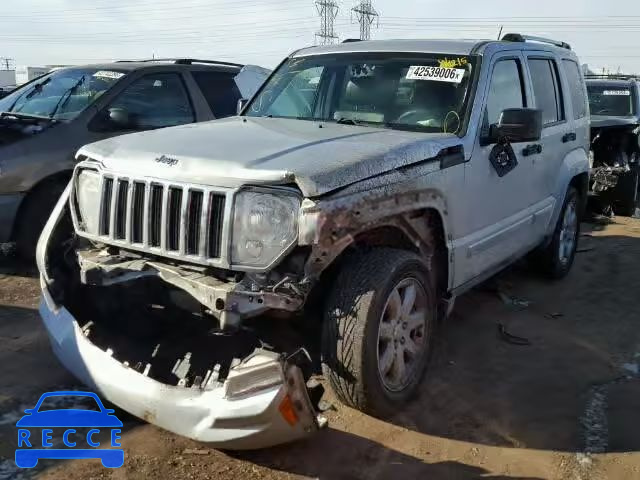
(559, 136)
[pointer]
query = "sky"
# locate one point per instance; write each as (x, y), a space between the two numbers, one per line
(262, 32)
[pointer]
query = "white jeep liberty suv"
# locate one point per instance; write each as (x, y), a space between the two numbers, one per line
(197, 276)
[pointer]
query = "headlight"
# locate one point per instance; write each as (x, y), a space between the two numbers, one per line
(265, 225)
(88, 197)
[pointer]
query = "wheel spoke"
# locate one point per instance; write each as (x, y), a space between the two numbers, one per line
(411, 347)
(394, 307)
(399, 367)
(386, 331)
(386, 359)
(416, 320)
(409, 299)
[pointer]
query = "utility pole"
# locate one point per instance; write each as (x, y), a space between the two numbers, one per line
(7, 62)
(328, 11)
(366, 15)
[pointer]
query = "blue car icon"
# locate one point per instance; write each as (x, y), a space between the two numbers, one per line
(68, 418)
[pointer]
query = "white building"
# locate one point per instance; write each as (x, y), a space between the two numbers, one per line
(7, 77)
(26, 73)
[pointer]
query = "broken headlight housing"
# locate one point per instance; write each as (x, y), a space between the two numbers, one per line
(265, 226)
(88, 197)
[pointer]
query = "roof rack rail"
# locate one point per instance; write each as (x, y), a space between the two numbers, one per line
(612, 76)
(351, 40)
(184, 61)
(518, 37)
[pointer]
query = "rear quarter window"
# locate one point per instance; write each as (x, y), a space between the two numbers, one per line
(576, 88)
(220, 91)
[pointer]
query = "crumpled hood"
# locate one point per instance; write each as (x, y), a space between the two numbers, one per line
(318, 157)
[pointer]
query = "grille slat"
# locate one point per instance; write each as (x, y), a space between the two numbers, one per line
(174, 218)
(164, 217)
(105, 207)
(112, 209)
(137, 215)
(121, 210)
(216, 217)
(194, 220)
(155, 216)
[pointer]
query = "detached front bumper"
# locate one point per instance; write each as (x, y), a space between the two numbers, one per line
(266, 412)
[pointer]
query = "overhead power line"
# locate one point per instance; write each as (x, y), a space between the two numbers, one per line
(366, 15)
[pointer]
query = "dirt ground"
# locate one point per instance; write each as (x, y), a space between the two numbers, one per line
(567, 406)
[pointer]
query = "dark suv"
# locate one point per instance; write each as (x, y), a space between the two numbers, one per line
(614, 101)
(43, 123)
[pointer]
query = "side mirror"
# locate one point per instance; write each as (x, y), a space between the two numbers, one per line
(517, 125)
(119, 117)
(241, 104)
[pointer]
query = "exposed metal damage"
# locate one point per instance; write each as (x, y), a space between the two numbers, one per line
(200, 329)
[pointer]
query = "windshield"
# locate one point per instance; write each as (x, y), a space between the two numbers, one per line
(60, 95)
(610, 100)
(422, 92)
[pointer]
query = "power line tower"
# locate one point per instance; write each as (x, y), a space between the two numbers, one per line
(328, 11)
(7, 62)
(366, 15)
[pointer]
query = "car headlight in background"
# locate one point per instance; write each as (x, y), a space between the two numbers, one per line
(265, 225)
(88, 198)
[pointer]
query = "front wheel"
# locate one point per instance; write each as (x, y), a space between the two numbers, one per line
(556, 259)
(378, 329)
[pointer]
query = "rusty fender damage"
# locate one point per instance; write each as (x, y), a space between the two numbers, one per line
(200, 384)
(368, 211)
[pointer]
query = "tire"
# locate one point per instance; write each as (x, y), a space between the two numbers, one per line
(356, 349)
(551, 261)
(33, 216)
(626, 194)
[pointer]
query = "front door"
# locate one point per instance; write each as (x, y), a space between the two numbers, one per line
(499, 217)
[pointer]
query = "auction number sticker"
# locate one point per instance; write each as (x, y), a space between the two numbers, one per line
(437, 74)
(108, 74)
(623, 93)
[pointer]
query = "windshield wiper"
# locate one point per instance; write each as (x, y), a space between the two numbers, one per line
(347, 121)
(66, 96)
(411, 128)
(25, 116)
(37, 88)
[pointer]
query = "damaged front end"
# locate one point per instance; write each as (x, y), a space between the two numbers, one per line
(615, 152)
(162, 340)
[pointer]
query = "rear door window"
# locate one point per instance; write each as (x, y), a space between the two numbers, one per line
(220, 91)
(547, 90)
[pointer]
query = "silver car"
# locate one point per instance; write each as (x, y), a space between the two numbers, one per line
(43, 123)
(196, 275)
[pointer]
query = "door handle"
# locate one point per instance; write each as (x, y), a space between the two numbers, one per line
(569, 137)
(533, 149)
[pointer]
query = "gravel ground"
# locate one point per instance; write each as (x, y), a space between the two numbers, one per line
(563, 407)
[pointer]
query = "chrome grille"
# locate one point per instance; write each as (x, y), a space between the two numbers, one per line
(164, 218)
